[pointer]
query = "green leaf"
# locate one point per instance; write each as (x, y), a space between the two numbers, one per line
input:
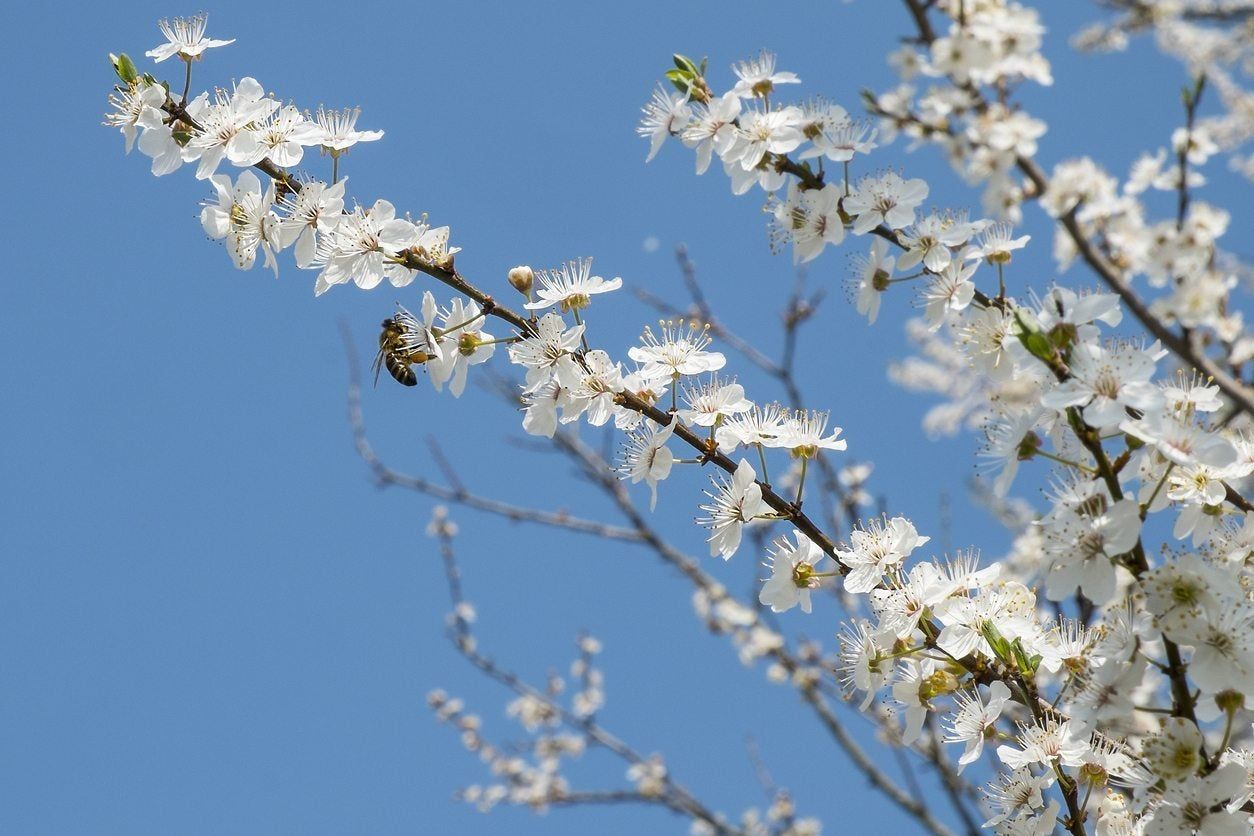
(1037, 344)
(124, 67)
(684, 63)
(680, 79)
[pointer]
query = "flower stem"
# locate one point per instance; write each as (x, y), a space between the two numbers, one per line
(1157, 488)
(1067, 462)
(880, 657)
(440, 332)
(801, 483)
(1223, 744)
(907, 278)
(583, 338)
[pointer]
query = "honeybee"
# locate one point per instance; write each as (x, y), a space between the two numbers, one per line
(402, 343)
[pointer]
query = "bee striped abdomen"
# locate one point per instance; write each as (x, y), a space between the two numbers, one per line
(400, 370)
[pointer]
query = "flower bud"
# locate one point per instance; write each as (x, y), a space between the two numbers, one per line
(522, 278)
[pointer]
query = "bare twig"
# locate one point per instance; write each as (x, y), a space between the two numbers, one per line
(675, 796)
(385, 476)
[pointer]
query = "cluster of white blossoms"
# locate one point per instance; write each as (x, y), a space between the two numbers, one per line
(247, 127)
(1079, 692)
(533, 777)
(1119, 699)
(1185, 30)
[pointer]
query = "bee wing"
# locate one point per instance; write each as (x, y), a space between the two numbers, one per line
(377, 365)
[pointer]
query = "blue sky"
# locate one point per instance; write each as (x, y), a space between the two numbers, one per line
(209, 618)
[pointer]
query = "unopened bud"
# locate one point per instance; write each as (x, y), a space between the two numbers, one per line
(522, 278)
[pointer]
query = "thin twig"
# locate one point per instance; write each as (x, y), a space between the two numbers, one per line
(385, 476)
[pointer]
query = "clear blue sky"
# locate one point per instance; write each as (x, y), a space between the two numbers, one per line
(209, 618)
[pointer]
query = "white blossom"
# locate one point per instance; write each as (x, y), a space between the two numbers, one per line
(792, 573)
(185, 37)
(736, 501)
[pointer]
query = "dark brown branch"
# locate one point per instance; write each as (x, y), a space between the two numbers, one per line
(597, 471)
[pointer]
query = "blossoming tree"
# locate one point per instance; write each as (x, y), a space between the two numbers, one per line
(1100, 677)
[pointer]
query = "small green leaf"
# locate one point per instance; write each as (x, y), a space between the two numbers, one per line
(680, 79)
(124, 67)
(684, 63)
(1029, 334)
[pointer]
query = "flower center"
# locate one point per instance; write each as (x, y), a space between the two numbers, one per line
(1107, 383)
(803, 575)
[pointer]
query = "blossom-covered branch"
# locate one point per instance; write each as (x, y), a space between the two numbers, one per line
(1121, 701)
